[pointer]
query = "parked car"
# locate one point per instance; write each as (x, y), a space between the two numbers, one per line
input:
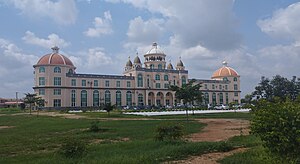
(221, 107)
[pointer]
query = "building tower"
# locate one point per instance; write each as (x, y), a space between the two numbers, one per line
(155, 58)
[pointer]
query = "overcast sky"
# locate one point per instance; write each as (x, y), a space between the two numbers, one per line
(256, 37)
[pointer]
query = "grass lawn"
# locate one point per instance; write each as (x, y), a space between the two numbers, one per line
(33, 139)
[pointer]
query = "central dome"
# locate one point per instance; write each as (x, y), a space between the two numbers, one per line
(55, 59)
(155, 50)
(224, 71)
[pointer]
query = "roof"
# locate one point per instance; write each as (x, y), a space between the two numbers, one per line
(155, 50)
(55, 58)
(225, 71)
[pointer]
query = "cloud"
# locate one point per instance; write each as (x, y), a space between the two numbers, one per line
(15, 69)
(53, 39)
(284, 23)
(209, 23)
(62, 12)
(102, 26)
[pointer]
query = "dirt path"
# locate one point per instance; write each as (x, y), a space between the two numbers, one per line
(210, 158)
(6, 127)
(220, 129)
(216, 130)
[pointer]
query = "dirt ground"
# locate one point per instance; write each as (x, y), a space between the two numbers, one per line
(220, 129)
(216, 130)
(5, 127)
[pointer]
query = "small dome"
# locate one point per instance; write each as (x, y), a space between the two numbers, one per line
(224, 71)
(129, 63)
(180, 63)
(55, 59)
(155, 49)
(137, 60)
(170, 66)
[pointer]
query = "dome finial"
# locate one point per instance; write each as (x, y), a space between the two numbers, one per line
(224, 63)
(55, 49)
(154, 44)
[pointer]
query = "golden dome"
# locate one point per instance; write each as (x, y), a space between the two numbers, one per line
(224, 71)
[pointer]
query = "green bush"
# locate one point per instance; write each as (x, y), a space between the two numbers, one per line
(278, 126)
(168, 132)
(95, 126)
(73, 148)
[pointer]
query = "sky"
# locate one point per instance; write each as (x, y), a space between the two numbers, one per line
(256, 37)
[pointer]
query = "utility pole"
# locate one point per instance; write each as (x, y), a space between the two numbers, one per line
(17, 99)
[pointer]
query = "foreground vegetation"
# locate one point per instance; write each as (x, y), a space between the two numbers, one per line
(33, 139)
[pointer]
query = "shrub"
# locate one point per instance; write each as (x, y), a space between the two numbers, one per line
(278, 126)
(73, 148)
(169, 132)
(95, 126)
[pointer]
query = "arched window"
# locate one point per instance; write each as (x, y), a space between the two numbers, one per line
(157, 77)
(221, 98)
(226, 94)
(206, 98)
(118, 98)
(140, 99)
(225, 78)
(83, 98)
(183, 80)
(95, 98)
(73, 98)
(128, 98)
(151, 66)
(107, 98)
(166, 78)
(234, 79)
(42, 70)
(140, 80)
(214, 99)
(57, 70)
(159, 66)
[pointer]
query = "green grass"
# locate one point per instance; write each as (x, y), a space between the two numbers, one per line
(37, 139)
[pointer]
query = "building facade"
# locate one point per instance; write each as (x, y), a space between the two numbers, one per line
(57, 82)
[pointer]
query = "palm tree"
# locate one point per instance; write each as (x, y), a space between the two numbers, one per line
(188, 93)
(30, 98)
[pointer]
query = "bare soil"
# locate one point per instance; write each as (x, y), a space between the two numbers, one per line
(209, 158)
(220, 129)
(217, 130)
(6, 127)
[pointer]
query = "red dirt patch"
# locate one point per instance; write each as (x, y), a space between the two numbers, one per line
(220, 129)
(210, 158)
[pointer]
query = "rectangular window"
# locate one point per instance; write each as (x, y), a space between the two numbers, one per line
(96, 83)
(226, 87)
(73, 82)
(236, 94)
(57, 92)
(213, 86)
(166, 85)
(42, 91)
(41, 80)
(83, 82)
(235, 87)
(57, 103)
(128, 84)
(157, 85)
(220, 87)
(118, 84)
(106, 83)
(205, 86)
(57, 81)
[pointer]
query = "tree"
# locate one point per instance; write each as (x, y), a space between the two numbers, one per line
(108, 107)
(188, 93)
(40, 103)
(278, 125)
(279, 87)
(30, 98)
